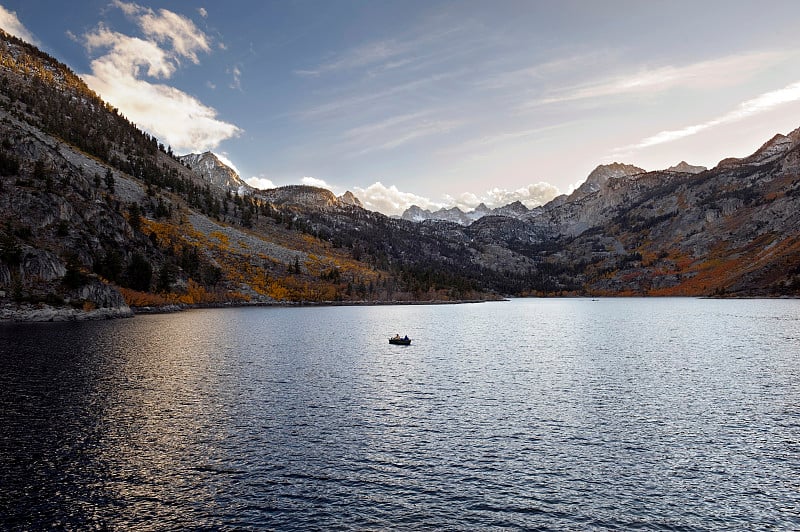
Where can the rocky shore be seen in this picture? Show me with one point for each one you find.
(45, 313)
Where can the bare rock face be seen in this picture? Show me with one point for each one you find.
(348, 198)
(215, 172)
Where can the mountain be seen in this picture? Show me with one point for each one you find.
(456, 215)
(309, 197)
(686, 168)
(96, 218)
(215, 172)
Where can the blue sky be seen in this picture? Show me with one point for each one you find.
(437, 103)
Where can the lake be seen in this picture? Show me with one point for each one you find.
(536, 414)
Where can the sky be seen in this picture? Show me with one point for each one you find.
(436, 103)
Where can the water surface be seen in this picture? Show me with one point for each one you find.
(554, 414)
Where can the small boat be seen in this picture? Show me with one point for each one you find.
(397, 340)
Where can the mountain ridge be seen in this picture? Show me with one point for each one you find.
(97, 217)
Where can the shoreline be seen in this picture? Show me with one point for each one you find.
(168, 309)
(42, 313)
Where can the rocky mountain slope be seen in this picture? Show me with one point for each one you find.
(96, 216)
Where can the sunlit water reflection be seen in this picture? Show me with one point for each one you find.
(551, 414)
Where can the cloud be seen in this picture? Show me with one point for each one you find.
(314, 182)
(387, 54)
(711, 74)
(407, 133)
(223, 157)
(261, 183)
(361, 56)
(165, 26)
(202, 11)
(236, 84)
(391, 201)
(177, 118)
(11, 24)
(365, 99)
(531, 195)
(759, 104)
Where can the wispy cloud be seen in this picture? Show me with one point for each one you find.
(119, 73)
(395, 131)
(362, 99)
(715, 73)
(364, 55)
(759, 104)
(12, 25)
(236, 73)
(384, 54)
(526, 75)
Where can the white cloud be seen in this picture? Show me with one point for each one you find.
(759, 104)
(315, 182)
(261, 183)
(223, 157)
(127, 54)
(166, 26)
(531, 195)
(390, 200)
(12, 25)
(203, 12)
(177, 118)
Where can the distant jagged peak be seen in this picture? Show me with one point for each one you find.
(348, 198)
(686, 168)
(457, 215)
(514, 209)
(600, 176)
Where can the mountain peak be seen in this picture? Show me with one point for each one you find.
(686, 168)
(348, 198)
(211, 168)
(604, 172)
(600, 175)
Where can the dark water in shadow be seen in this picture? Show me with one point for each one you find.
(672, 414)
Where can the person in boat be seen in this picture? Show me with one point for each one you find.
(405, 338)
(396, 336)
